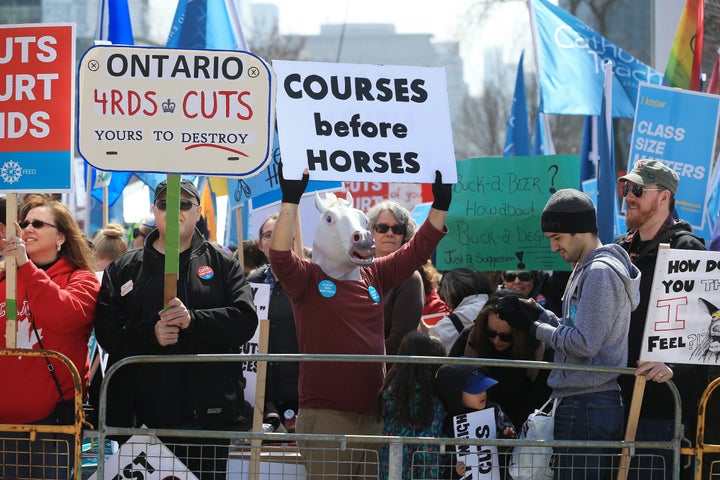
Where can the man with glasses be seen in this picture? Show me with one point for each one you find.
(212, 313)
(649, 192)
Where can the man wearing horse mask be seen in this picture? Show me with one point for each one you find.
(337, 300)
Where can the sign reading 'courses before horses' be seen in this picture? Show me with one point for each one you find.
(182, 111)
(365, 123)
(36, 107)
(683, 320)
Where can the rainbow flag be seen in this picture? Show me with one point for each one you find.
(685, 63)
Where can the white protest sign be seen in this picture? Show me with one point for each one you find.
(377, 123)
(683, 321)
(481, 462)
(261, 298)
(185, 111)
(145, 458)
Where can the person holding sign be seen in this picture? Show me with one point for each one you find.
(649, 191)
(213, 313)
(337, 300)
(602, 291)
(56, 299)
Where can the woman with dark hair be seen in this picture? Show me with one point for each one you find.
(409, 405)
(392, 227)
(465, 291)
(520, 390)
(57, 294)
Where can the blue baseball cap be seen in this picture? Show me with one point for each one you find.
(478, 382)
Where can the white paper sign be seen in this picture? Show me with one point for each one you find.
(481, 462)
(378, 123)
(261, 298)
(683, 321)
(145, 458)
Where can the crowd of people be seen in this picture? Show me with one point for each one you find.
(387, 299)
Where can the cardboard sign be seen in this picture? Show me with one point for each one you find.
(37, 107)
(683, 320)
(183, 111)
(494, 218)
(261, 298)
(678, 127)
(144, 457)
(365, 123)
(481, 462)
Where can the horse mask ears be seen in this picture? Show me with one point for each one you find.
(331, 200)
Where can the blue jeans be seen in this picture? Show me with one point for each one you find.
(593, 416)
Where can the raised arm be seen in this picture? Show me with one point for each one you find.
(292, 190)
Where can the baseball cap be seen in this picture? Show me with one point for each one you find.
(650, 172)
(185, 185)
(478, 382)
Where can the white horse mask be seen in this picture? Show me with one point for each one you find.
(342, 241)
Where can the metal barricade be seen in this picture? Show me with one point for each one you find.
(43, 451)
(707, 465)
(195, 453)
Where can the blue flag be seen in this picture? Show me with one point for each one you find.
(571, 56)
(589, 149)
(539, 145)
(114, 23)
(517, 131)
(607, 183)
(207, 25)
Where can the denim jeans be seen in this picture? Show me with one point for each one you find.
(593, 416)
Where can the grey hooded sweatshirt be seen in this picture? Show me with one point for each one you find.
(598, 299)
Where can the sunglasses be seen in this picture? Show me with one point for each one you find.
(637, 190)
(398, 229)
(522, 276)
(35, 224)
(505, 337)
(137, 233)
(185, 205)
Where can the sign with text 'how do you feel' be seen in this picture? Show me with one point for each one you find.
(365, 123)
(36, 107)
(181, 111)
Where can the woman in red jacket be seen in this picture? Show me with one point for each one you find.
(56, 297)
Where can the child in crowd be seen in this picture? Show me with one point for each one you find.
(463, 389)
(410, 407)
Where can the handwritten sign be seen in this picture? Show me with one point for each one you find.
(184, 111)
(37, 107)
(368, 123)
(678, 127)
(261, 298)
(683, 320)
(494, 218)
(481, 462)
(145, 458)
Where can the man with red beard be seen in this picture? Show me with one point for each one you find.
(649, 192)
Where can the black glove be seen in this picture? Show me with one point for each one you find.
(518, 314)
(442, 193)
(292, 190)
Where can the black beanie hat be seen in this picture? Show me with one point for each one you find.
(569, 211)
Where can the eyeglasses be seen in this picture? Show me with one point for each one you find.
(185, 205)
(505, 337)
(398, 229)
(35, 224)
(522, 276)
(266, 236)
(637, 190)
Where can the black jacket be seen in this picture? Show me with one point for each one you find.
(690, 379)
(212, 286)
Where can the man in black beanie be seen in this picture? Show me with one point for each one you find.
(602, 291)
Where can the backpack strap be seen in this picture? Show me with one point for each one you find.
(456, 322)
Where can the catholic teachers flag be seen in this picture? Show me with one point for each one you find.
(571, 57)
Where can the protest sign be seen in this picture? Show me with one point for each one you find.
(677, 127)
(144, 457)
(481, 462)
(145, 109)
(37, 107)
(683, 320)
(366, 123)
(261, 298)
(494, 218)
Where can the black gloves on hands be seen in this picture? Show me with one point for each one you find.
(442, 193)
(292, 190)
(520, 315)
